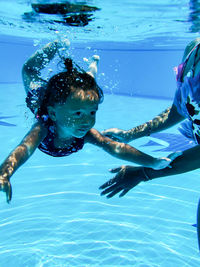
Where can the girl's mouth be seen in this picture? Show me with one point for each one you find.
(83, 130)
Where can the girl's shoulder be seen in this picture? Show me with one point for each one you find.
(91, 135)
(96, 138)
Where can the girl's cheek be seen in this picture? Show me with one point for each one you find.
(71, 121)
(68, 121)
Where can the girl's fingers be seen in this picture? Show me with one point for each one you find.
(6, 187)
(9, 193)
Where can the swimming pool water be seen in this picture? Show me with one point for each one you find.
(57, 216)
(165, 22)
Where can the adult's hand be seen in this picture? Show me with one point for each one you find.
(126, 178)
(117, 134)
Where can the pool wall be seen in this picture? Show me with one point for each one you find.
(124, 67)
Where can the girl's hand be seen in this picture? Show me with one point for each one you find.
(6, 187)
(163, 162)
(116, 134)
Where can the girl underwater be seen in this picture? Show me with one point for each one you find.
(65, 109)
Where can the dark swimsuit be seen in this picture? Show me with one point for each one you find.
(47, 145)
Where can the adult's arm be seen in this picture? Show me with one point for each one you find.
(163, 121)
(188, 161)
(128, 177)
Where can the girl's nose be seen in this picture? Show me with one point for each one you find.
(87, 121)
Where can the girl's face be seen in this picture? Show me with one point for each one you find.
(77, 115)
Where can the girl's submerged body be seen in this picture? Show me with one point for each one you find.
(65, 108)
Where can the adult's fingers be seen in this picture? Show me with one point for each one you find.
(109, 189)
(174, 155)
(114, 170)
(124, 192)
(113, 180)
(111, 135)
(108, 183)
(114, 192)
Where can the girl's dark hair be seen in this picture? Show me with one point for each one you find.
(59, 86)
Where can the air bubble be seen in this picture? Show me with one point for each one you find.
(36, 42)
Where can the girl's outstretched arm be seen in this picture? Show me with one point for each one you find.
(127, 152)
(32, 67)
(18, 156)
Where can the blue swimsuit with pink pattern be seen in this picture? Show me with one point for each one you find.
(187, 98)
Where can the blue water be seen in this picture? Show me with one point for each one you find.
(165, 22)
(58, 218)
